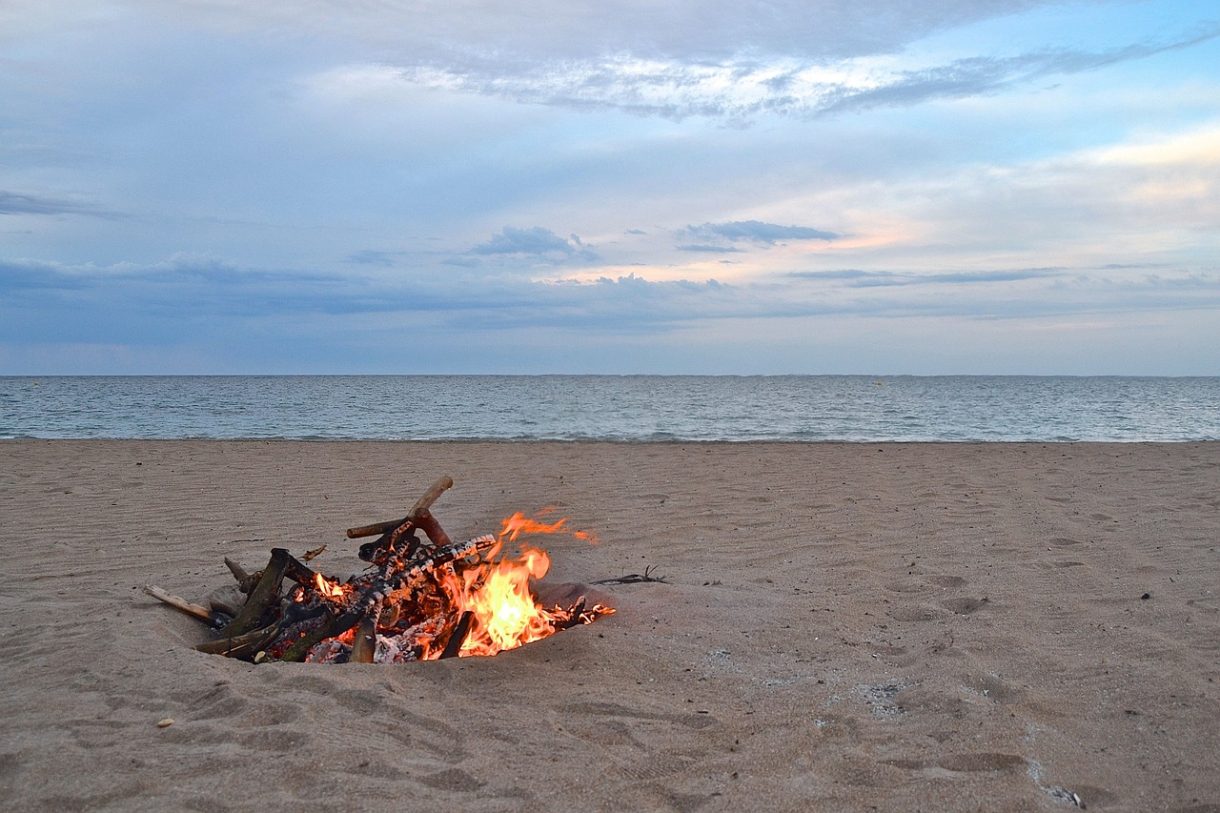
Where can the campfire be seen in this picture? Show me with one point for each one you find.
(419, 599)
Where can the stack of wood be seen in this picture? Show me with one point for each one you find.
(398, 610)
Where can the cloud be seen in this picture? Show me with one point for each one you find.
(744, 84)
(19, 203)
(878, 279)
(710, 249)
(197, 299)
(756, 231)
(536, 242)
(980, 75)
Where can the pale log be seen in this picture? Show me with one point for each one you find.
(202, 613)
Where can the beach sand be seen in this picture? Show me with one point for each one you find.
(845, 627)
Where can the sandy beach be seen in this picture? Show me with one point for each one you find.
(897, 627)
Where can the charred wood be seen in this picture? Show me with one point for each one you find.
(242, 646)
(262, 596)
(454, 645)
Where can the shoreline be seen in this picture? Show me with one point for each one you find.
(612, 441)
(945, 625)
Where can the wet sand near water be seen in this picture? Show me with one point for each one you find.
(844, 627)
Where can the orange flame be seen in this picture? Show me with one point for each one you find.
(519, 523)
(498, 593)
(329, 589)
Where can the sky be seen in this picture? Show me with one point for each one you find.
(619, 186)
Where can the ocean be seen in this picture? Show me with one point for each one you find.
(616, 408)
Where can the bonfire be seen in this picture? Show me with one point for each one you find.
(420, 598)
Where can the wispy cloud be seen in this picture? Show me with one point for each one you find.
(708, 248)
(973, 76)
(21, 203)
(756, 231)
(742, 87)
(878, 279)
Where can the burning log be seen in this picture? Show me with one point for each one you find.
(458, 637)
(419, 600)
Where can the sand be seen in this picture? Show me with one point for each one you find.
(844, 627)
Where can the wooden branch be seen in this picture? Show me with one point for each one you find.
(634, 578)
(454, 645)
(428, 524)
(421, 505)
(263, 594)
(245, 581)
(430, 496)
(202, 613)
(237, 570)
(300, 573)
(242, 646)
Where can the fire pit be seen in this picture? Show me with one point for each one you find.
(419, 599)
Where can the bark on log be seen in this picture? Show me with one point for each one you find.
(237, 570)
(263, 594)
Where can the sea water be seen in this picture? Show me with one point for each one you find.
(618, 408)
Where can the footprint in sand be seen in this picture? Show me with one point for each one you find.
(917, 613)
(964, 606)
(629, 736)
(962, 763)
(974, 763)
